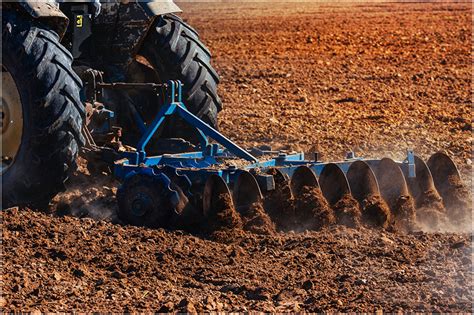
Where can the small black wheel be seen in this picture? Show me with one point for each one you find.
(146, 201)
(41, 113)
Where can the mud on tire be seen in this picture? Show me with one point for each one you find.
(52, 112)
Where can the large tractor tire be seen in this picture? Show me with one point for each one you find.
(174, 51)
(41, 113)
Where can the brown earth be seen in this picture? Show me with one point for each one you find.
(313, 210)
(375, 78)
(280, 204)
(375, 212)
(64, 264)
(431, 213)
(257, 221)
(223, 223)
(404, 214)
(347, 211)
(458, 206)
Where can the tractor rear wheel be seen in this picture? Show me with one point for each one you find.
(172, 50)
(41, 113)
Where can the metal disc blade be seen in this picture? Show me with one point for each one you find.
(422, 183)
(445, 174)
(362, 180)
(391, 181)
(278, 203)
(246, 191)
(333, 183)
(278, 175)
(281, 182)
(214, 191)
(303, 176)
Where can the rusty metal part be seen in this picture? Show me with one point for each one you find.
(303, 176)
(362, 181)
(333, 183)
(11, 120)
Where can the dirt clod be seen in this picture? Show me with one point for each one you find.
(312, 210)
(458, 202)
(187, 306)
(223, 215)
(347, 211)
(308, 285)
(375, 212)
(431, 213)
(223, 223)
(257, 221)
(280, 206)
(404, 214)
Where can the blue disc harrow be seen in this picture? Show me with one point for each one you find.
(156, 189)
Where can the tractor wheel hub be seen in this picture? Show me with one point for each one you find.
(11, 114)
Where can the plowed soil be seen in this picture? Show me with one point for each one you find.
(347, 211)
(257, 221)
(375, 212)
(404, 214)
(313, 210)
(375, 78)
(64, 264)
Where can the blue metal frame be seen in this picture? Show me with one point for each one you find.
(198, 166)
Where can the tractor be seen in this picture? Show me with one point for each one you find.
(130, 87)
(51, 51)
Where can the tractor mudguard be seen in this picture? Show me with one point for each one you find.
(122, 25)
(48, 12)
(159, 7)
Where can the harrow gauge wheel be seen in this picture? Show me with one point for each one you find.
(145, 200)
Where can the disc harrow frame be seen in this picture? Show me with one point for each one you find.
(200, 177)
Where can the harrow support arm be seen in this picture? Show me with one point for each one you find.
(176, 106)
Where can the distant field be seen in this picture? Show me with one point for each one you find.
(285, 67)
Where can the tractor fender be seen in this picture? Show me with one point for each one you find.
(159, 7)
(48, 12)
